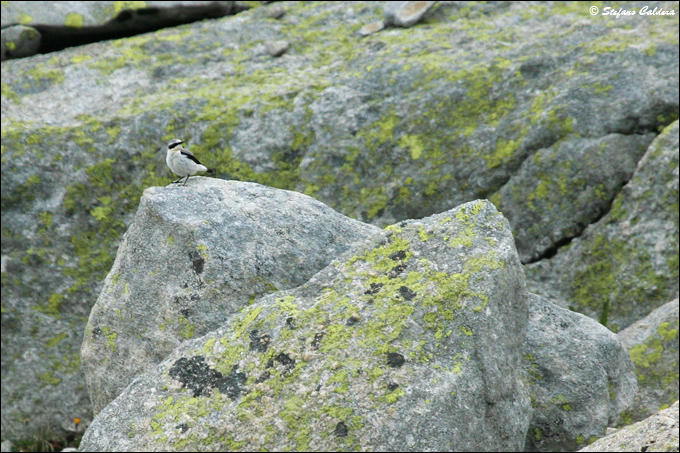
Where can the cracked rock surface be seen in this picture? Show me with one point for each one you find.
(382, 350)
(653, 346)
(194, 255)
(659, 432)
(627, 263)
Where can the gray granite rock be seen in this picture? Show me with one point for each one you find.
(580, 375)
(371, 28)
(410, 343)
(626, 264)
(276, 48)
(64, 24)
(79, 14)
(591, 171)
(404, 124)
(19, 41)
(195, 255)
(658, 432)
(275, 11)
(405, 14)
(653, 345)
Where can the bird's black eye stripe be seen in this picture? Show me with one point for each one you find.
(175, 144)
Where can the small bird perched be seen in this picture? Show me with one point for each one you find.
(182, 162)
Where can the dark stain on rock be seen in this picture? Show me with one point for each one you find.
(185, 312)
(395, 360)
(197, 264)
(259, 343)
(182, 427)
(285, 359)
(396, 270)
(398, 255)
(352, 320)
(195, 375)
(317, 340)
(341, 430)
(375, 287)
(407, 293)
(392, 386)
(290, 322)
(197, 261)
(233, 383)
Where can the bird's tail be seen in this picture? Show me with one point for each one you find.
(210, 170)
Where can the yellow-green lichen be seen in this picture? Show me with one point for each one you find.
(186, 328)
(597, 282)
(48, 378)
(52, 342)
(111, 337)
(53, 305)
(119, 6)
(74, 20)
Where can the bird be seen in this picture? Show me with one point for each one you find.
(182, 162)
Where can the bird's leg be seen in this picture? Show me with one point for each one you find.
(185, 181)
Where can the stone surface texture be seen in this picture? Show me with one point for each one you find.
(194, 255)
(626, 264)
(19, 41)
(79, 14)
(405, 14)
(658, 432)
(476, 101)
(382, 350)
(580, 374)
(653, 345)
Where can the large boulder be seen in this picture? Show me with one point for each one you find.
(626, 264)
(405, 14)
(92, 14)
(653, 345)
(411, 343)
(69, 24)
(402, 124)
(195, 255)
(19, 41)
(658, 432)
(564, 187)
(580, 375)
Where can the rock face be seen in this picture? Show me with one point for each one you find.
(19, 41)
(626, 263)
(653, 346)
(401, 124)
(79, 14)
(68, 24)
(659, 432)
(411, 343)
(580, 374)
(405, 14)
(538, 189)
(195, 255)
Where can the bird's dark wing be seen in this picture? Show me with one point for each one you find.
(187, 153)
